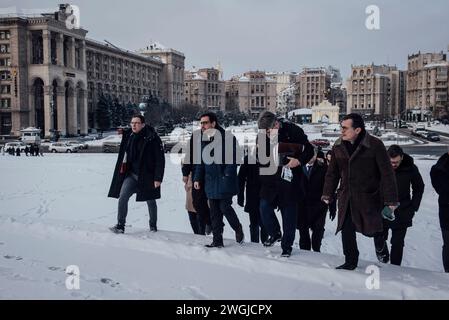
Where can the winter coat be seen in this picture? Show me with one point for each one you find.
(273, 188)
(220, 179)
(367, 183)
(249, 181)
(189, 199)
(407, 176)
(439, 175)
(310, 206)
(151, 169)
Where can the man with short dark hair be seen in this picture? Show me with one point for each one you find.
(439, 175)
(361, 165)
(139, 169)
(219, 177)
(281, 189)
(407, 177)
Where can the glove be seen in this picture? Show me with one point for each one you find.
(388, 214)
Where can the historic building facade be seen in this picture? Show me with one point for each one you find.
(427, 85)
(205, 89)
(252, 93)
(51, 76)
(376, 90)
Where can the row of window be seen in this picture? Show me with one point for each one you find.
(362, 106)
(5, 35)
(361, 73)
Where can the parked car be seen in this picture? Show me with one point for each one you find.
(15, 144)
(111, 146)
(323, 143)
(418, 131)
(62, 147)
(79, 144)
(403, 125)
(432, 136)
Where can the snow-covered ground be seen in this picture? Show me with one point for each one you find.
(55, 213)
(438, 128)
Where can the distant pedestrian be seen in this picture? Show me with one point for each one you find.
(18, 151)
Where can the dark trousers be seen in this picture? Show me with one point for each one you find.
(129, 187)
(272, 226)
(218, 209)
(200, 204)
(311, 218)
(256, 226)
(445, 233)
(197, 223)
(397, 243)
(349, 240)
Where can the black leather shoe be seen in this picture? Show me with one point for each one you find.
(347, 266)
(153, 228)
(286, 253)
(383, 255)
(215, 245)
(272, 240)
(117, 229)
(239, 236)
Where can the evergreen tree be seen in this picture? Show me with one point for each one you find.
(103, 113)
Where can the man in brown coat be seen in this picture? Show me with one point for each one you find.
(361, 165)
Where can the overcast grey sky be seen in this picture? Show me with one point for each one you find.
(281, 35)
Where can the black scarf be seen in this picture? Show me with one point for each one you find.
(351, 147)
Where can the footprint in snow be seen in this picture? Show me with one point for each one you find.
(12, 257)
(110, 282)
(55, 268)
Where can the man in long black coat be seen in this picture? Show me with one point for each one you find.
(280, 188)
(249, 185)
(407, 177)
(139, 169)
(439, 175)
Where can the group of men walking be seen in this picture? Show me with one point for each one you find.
(375, 189)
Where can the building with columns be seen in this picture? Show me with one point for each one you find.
(119, 74)
(172, 75)
(205, 89)
(45, 79)
(51, 77)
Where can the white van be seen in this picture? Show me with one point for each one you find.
(31, 135)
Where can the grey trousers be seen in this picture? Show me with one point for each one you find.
(129, 187)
